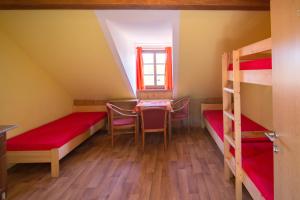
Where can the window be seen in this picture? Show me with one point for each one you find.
(154, 68)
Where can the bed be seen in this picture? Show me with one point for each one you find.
(51, 142)
(257, 151)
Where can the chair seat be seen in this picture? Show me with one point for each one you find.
(124, 121)
(179, 116)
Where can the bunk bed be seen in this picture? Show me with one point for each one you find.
(257, 154)
(248, 153)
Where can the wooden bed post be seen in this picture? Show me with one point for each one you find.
(54, 163)
(237, 126)
(232, 138)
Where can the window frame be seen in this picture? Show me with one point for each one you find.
(155, 86)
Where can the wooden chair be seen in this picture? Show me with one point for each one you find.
(181, 111)
(154, 119)
(121, 119)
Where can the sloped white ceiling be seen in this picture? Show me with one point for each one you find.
(71, 47)
(127, 29)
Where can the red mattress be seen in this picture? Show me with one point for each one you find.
(257, 161)
(56, 133)
(215, 119)
(257, 153)
(259, 64)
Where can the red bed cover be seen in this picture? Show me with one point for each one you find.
(259, 64)
(257, 153)
(215, 119)
(56, 133)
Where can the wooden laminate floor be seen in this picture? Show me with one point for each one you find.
(191, 168)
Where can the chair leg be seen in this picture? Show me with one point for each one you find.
(108, 126)
(136, 134)
(182, 125)
(143, 140)
(170, 130)
(189, 125)
(169, 126)
(112, 137)
(165, 139)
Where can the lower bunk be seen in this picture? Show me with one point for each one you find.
(53, 141)
(257, 151)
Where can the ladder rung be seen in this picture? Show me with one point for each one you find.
(229, 90)
(229, 115)
(230, 140)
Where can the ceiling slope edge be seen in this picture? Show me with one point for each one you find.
(108, 36)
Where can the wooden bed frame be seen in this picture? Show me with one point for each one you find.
(261, 77)
(231, 83)
(53, 156)
(250, 186)
(206, 125)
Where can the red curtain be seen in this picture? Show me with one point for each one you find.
(169, 72)
(139, 70)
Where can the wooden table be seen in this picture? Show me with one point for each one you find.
(166, 103)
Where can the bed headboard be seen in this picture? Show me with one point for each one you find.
(209, 107)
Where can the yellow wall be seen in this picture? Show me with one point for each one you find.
(257, 103)
(204, 36)
(69, 45)
(29, 96)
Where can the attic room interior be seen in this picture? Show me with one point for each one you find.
(150, 99)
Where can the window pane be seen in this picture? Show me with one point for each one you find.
(148, 69)
(160, 80)
(149, 79)
(148, 58)
(160, 58)
(160, 69)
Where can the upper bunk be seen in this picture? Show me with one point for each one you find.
(255, 63)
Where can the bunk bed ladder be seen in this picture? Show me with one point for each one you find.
(232, 138)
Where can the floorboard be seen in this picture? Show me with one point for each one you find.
(191, 168)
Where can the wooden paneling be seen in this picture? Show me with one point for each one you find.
(155, 94)
(285, 17)
(83, 102)
(100, 105)
(137, 4)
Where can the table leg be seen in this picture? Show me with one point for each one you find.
(170, 127)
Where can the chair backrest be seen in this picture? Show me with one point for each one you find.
(154, 118)
(113, 112)
(109, 113)
(182, 105)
